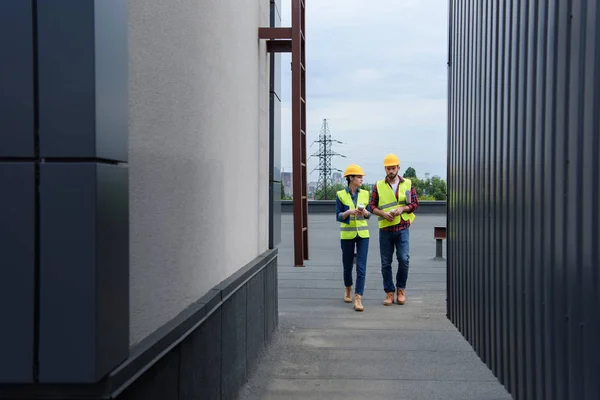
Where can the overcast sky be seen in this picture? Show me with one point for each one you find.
(376, 70)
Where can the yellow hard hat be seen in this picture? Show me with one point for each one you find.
(391, 160)
(353, 169)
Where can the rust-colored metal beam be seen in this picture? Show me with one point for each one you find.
(285, 40)
(279, 46)
(300, 194)
(274, 33)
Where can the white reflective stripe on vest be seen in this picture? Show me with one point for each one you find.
(357, 228)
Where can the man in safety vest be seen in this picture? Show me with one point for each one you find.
(352, 211)
(393, 200)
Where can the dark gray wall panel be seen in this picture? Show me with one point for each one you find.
(255, 311)
(84, 301)
(233, 367)
(523, 157)
(200, 369)
(16, 79)
(270, 300)
(83, 78)
(160, 382)
(17, 247)
(112, 265)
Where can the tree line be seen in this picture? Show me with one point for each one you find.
(427, 189)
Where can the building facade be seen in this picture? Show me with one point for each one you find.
(524, 191)
(140, 172)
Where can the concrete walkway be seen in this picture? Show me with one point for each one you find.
(323, 349)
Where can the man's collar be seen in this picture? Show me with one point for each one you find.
(399, 176)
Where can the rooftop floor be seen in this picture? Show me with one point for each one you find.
(323, 349)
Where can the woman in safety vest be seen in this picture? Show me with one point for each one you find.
(352, 211)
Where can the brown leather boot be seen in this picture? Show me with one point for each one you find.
(348, 294)
(389, 298)
(400, 297)
(357, 303)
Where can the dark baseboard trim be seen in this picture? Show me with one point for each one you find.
(153, 349)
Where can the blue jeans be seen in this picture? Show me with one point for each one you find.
(388, 241)
(362, 249)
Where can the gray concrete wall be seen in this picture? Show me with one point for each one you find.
(199, 150)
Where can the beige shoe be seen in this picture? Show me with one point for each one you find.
(348, 294)
(357, 303)
(400, 297)
(389, 298)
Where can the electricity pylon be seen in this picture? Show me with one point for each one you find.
(325, 154)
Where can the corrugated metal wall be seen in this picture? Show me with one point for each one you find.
(524, 179)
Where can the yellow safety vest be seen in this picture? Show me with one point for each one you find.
(358, 225)
(388, 201)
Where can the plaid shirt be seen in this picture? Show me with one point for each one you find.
(414, 203)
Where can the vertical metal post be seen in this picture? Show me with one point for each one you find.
(438, 249)
(299, 134)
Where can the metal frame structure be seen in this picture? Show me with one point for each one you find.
(286, 40)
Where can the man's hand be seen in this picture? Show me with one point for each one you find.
(388, 216)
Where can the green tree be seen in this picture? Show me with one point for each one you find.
(410, 173)
(366, 186)
(282, 192)
(427, 189)
(328, 193)
(439, 188)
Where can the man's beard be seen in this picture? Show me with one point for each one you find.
(392, 175)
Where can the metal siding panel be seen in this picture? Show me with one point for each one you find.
(462, 170)
(82, 53)
(111, 79)
(84, 275)
(112, 266)
(480, 171)
(531, 234)
(67, 272)
(573, 186)
(550, 223)
(480, 192)
(469, 182)
(17, 274)
(473, 175)
(487, 158)
(497, 195)
(539, 200)
(504, 236)
(510, 188)
(560, 197)
(451, 163)
(519, 201)
(591, 272)
(589, 197)
(465, 181)
(16, 79)
(66, 78)
(458, 263)
(547, 133)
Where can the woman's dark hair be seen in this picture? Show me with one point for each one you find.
(348, 179)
